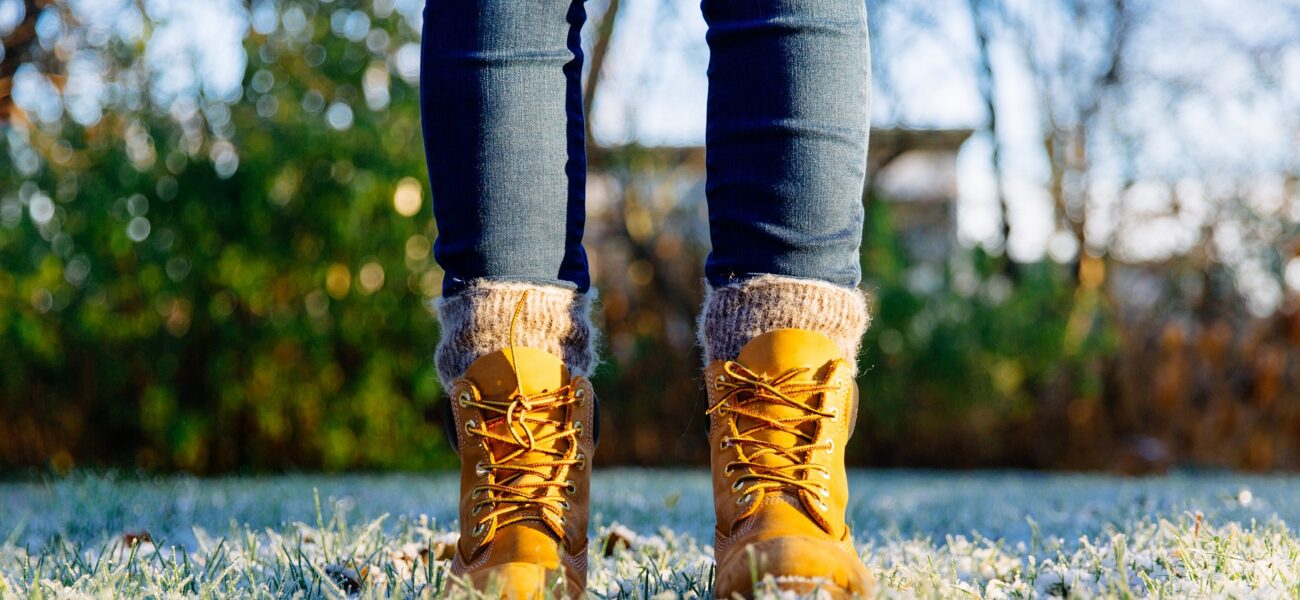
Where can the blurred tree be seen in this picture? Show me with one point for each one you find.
(211, 279)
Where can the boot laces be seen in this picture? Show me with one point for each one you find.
(744, 394)
(503, 489)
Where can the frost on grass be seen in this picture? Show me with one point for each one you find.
(1178, 558)
(328, 551)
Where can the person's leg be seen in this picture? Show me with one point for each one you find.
(787, 142)
(787, 138)
(501, 105)
(789, 83)
(501, 102)
(501, 99)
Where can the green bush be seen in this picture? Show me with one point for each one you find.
(178, 311)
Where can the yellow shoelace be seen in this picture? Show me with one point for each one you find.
(501, 492)
(743, 394)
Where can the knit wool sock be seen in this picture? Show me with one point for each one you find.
(476, 322)
(736, 313)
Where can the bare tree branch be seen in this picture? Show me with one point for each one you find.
(987, 84)
(604, 32)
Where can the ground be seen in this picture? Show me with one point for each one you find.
(989, 535)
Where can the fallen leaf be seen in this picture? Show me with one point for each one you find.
(617, 537)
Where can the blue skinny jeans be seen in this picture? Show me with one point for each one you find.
(786, 139)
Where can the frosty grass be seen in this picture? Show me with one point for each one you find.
(987, 535)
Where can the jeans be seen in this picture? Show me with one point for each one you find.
(786, 139)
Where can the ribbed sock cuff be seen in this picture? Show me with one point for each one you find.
(476, 322)
(737, 313)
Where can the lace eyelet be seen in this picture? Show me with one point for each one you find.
(582, 461)
(580, 395)
(824, 491)
(565, 505)
(743, 500)
(725, 445)
(826, 474)
(478, 508)
(830, 446)
(478, 530)
(835, 413)
(735, 487)
(563, 520)
(470, 425)
(822, 506)
(464, 398)
(480, 469)
(577, 426)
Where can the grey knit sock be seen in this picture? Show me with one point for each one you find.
(476, 322)
(737, 313)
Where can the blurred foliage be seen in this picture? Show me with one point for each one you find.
(219, 284)
(214, 280)
(961, 358)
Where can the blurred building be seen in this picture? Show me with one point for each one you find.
(915, 170)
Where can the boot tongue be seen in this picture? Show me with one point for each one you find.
(780, 350)
(772, 354)
(497, 376)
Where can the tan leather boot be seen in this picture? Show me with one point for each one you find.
(525, 436)
(779, 416)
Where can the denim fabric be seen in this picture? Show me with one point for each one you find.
(787, 139)
(501, 100)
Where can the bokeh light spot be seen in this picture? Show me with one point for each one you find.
(640, 272)
(41, 208)
(138, 229)
(417, 247)
(339, 116)
(224, 158)
(42, 300)
(1292, 275)
(338, 280)
(313, 101)
(408, 197)
(371, 277)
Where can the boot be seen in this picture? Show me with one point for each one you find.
(779, 417)
(524, 431)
